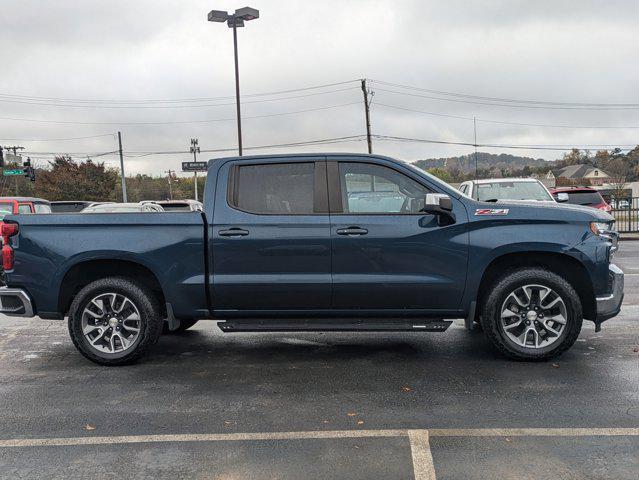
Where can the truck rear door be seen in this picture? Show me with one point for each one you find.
(270, 237)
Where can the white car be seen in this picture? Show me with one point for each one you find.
(123, 208)
(494, 189)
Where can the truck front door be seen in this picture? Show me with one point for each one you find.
(388, 254)
(270, 237)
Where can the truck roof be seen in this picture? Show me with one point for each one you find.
(495, 180)
(301, 155)
(26, 199)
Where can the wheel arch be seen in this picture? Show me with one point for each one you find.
(85, 272)
(561, 264)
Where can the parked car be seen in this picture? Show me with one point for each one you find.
(494, 189)
(284, 246)
(16, 205)
(123, 208)
(178, 205)
(620, 204)
(71, 206)
(586, 196)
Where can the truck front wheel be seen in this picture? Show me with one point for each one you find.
(113, 321)
(532, 314)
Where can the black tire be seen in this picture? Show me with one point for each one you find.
(510, 282)
(150, 323)
(184, 325)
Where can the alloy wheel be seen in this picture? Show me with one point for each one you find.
(533, 316)
(111, 323)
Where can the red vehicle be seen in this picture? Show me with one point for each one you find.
(586, 196)
(17, 205)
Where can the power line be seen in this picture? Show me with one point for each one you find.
(508, 105)
(501, 122)
(325, 141)
(496, 145)
(177, 100)
(178, 122)
(509, 100)
(56, 139)
(206, 105)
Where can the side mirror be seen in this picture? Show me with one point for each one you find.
(562, 197)
(441, 205)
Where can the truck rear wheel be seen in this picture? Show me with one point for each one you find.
(113, 321)
(532, 314)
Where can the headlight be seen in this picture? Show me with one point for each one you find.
(605, 230)
(600, 228)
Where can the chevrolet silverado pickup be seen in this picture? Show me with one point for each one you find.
(330, 242)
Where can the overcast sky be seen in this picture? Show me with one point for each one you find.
(134, 50)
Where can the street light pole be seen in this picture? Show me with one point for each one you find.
(234, 21)
(237, 93)
(195, 149)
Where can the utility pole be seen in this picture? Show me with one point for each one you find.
(124, 198)
(475, 131)
(169, 173)
(367, 105)
(195, 150)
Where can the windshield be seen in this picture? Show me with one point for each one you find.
(512, 191)
(176, 207)
(584, 198)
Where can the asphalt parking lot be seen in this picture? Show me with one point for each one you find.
(326, 406)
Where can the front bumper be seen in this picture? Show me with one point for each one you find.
(609, 305)
(15, 302)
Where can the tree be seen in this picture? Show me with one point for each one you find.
(69, 180)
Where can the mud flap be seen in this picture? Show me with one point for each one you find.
(173, 322)
(469, 321)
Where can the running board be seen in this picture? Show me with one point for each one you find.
(368, 325)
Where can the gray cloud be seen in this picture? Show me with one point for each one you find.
(547, 50)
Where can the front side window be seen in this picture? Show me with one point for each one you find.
(23, 208)
(274, 188)
(374, 189)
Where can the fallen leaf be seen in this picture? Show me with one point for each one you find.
(227, 423)
(360, 422)
(555, 365)
(89, 428)
(508, 439)
(636, 350)
(351, 414)
(406, 389)
(325, 421)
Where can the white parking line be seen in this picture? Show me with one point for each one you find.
(534, 432)
(423, 466)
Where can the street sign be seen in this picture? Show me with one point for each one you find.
(16, 171)
(195, 166)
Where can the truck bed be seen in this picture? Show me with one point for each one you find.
(50, 246)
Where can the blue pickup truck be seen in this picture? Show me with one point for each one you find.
(326, 242)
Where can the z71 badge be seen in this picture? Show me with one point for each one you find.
(491, 211)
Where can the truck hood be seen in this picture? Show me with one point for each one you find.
(548, 210)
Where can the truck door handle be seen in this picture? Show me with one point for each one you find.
(233, 232)
(352, 231)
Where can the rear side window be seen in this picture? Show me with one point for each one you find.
(273, 188)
